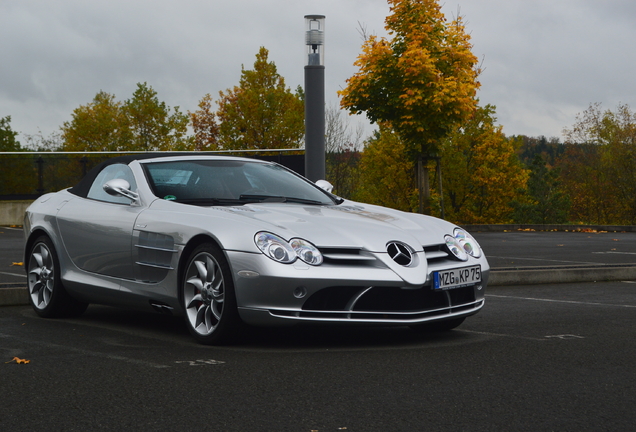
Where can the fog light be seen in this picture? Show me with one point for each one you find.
(300, 292)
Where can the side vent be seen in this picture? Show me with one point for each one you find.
(154, 256)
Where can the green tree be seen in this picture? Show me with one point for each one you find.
(386, 174)
(142, 123)
(483, 172)
(261, 112)
(152, 125)
(8, 141)
(544, 201)
(101, 125)
(16, 173)
(599, 168)
(423, 80)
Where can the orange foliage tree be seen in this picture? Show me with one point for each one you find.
(422, 81)
(484, 174)
(205, 126)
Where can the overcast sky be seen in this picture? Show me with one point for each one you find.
(544, 61)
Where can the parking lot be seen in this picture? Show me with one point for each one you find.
(559, 357)
(537, 357)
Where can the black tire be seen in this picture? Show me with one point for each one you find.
(208, 297)
(46, 292)
(438, 326)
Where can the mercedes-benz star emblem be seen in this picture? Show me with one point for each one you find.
(399, 253)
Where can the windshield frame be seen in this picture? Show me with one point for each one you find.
(280, 184)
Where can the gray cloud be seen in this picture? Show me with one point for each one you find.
(544, 61)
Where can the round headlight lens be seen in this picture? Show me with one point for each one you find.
(275, 247)
(306, 251)
(468, 243)
(455, 247)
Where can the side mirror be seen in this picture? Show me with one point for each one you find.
(325, 185)
(120, 187)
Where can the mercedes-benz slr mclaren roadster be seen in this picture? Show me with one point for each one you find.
(226, 241)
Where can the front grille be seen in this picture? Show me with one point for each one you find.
(347, 256)
(384, 303)
(436, 253)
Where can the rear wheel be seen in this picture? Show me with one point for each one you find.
(438, 326)
(46, 292)
(208, 296)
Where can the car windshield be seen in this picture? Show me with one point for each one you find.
(230, 182)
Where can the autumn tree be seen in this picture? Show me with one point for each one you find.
(205, 126)
(385, 177)
(599, 167)
(141, 123)
(483, 172)
(152, 125)
(543, 201)
(423, 80)
(101, 125)
(261, 112)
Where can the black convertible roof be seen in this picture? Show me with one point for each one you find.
(81, 189)
(294, 162)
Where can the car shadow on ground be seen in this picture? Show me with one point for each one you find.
(298, 337)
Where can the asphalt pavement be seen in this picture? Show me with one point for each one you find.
(516, 257)
(536, 358)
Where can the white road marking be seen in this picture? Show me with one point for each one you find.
(13, 274)
(561, 301)
(615, 252)
(66, 348)
(545, 260)
(500, 335)
(201, 362)
(565, 336)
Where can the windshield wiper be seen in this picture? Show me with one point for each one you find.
(277, 198)
(262, 198)
(209, 201)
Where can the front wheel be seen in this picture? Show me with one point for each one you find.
(46, 292)
(208, 296)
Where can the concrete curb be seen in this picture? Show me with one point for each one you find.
(16, 295)
(509, 277)
(13, 295)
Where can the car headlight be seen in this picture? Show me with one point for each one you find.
(455, 247)
(281, 251)
(461, 244)
(306, 251)
(275, 247)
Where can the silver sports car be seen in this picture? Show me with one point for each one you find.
(226, 241)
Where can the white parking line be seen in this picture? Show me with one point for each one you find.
(501, 335)
(561, 301)
(81, 351)
(544, 260)
(13, 274)
(614, 252)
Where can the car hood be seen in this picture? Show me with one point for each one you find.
(346, 225)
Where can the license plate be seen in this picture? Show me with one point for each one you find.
(457, 278)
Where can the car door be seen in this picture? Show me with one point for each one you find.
(97, 230)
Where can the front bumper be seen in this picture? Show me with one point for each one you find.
(269, 293)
